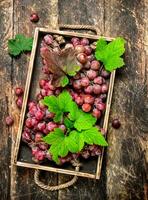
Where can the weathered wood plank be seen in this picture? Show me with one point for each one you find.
(5, 96)
(125, 156)
(25, 186)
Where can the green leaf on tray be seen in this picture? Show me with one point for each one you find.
(19, 44)
(80, 127)
(110, 53)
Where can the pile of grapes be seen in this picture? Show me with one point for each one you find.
(88, 89)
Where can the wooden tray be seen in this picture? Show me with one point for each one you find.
(91, 168)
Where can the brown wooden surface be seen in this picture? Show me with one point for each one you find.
(124, 167)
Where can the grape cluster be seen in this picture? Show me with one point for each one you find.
(89, 86)
(88, 89)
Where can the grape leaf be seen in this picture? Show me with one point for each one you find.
(84, 121)
(94, 136)
(64, 100)
(19, 44)
(61, 64)
(54, 137)
(64, 81)
(68, 123)
(77, 137)
(110, 53)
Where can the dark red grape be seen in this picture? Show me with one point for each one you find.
(88, 50)
(89, 89)
(96, 113)
(41, 126)
(77, 84)
(51, 126)
(90, 58)
(42, 83)
(40, 155)
(104, 88)
(85, 154)
(26, 137)
(82, 58)
(95, 65)
(116, 124)
(103, 97)
(79, 100)
(86, 107)
(34, 17)
(87, 65)
(105, 74)
(39, 115)
(84, 41)
(89, 99)
(9, 120)
(19, 102)
(101, 106)
(85, 82)
(79, 49)
(38, 137)
(98, 80)
(48, 39)
(19, 91)
(91, 74)
(96, 89)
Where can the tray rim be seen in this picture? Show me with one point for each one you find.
(25, 99)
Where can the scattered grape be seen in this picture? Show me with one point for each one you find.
(9, 120)
(19, 91)
(116, 124)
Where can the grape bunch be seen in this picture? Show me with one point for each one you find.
(88, 89)
(89, 86)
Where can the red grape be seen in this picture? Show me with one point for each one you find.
(105, 74)
(86, 107)
(116, 123)
(79, 49)
(95, 65)
(43, 92)
(82, 58)
(38, 137)
(87, 65)
(34, 17)
(85, 154)
(89, 99)
(49, 92)
(31, 104)
(91, 74)
(85, 82)
(40, 155)
(39, 96)
(32, 110)
(19, 91)
(75, 39)
(19, 102)
(77, 84)
(48, 39)
(34, 150)
(51, 126)
(88, 50)
(89, 89)
(90, 58)
(43, 146)
(98, 80)
(84, 41)
(77, 76)
(79, 100)
(26, 137)
(101, 106)
(96, 113)
(68, 45)
(41, 126)
(39, 115)
(49, 115)
(104, 88)
(42, 83)
(9, 120)
(103, 97)
(96, 89)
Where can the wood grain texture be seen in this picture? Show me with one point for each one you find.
(5, 96)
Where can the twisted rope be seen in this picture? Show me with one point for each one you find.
(76, 164)
(85, 27)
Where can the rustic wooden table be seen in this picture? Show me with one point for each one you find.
(124, 167)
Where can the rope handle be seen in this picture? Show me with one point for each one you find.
(85, 27)
(57, 187)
